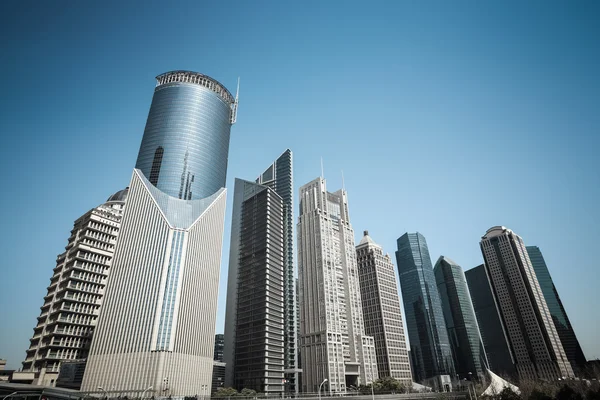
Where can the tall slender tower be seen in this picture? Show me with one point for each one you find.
(495, 342)
(429, 345)
(68, 316)
(156, 329)
(463, 331)
(381, 310)
(333, 344)
(523, 311)
(254, 319)
(279, 177)
(566, 333)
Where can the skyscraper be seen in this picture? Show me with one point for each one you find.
(463, 332)
(333, 344)
(156, 328)
(279, 177)
(494, 338)
(254, 319)
(381, 310)
(68, 316)
(557, 311)
(219, 346)
(532, 337)
(429, 344)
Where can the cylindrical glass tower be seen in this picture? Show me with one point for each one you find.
(185, 146)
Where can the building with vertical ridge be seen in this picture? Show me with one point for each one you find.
(333, 343)
(381, 310)
(156, 329)
(565, 330)
(461, 323)
(493, 336)
(429, 344)
(68, 317)
(254, 318)
(524, 313)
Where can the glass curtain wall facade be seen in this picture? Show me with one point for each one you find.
(492, 332)
(160, 307)
(463, 332)
(538, 352)
(559, 315)
(185, 147)
(430, 347)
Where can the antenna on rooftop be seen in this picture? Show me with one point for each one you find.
(343, 183)
(322, 173)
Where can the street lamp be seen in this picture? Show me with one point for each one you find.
(324, 380)
(12, 394)
(105, 392)
(144, 392)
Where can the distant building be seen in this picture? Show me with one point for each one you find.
(333, 344)
(71, 306)
(219, 344)
(463, 331)
(2, 365)
(559, 315)
(532, 336)
(218, 376)
(430, 347)
(381, 310)
(494, 338)
(254, 318)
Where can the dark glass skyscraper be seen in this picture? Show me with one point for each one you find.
(430, 348)
(492, 333)
(463, 332)
(185, 146)
(559, 315)
(278, 176)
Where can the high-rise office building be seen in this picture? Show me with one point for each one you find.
(68, 316)
(219, 346)
(463, 332)
(557, 311)
(156, 329)
(532, 337)
(494, 338)
(333, 344)
(381, 310)
(278, 178)
(254, 319)
(429, 344)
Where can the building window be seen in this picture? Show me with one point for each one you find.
(156, 163)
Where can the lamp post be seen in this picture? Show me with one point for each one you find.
(105, 392)
(144, 392)
(12, 394)
(324, 380)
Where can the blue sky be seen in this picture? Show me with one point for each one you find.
(446, 118)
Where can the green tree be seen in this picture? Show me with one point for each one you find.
(226, 392)
(248, 392)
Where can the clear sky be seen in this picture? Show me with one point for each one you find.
(446, 117)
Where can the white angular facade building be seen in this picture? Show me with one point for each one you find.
(535, 346)
(157, 327)
(333, 344)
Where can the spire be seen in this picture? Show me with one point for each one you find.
(343, 183)
(322, 173)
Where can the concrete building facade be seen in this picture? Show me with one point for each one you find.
(333, 344)
(156, 329)
(381, 310)
(532, 336)
(71, 306)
